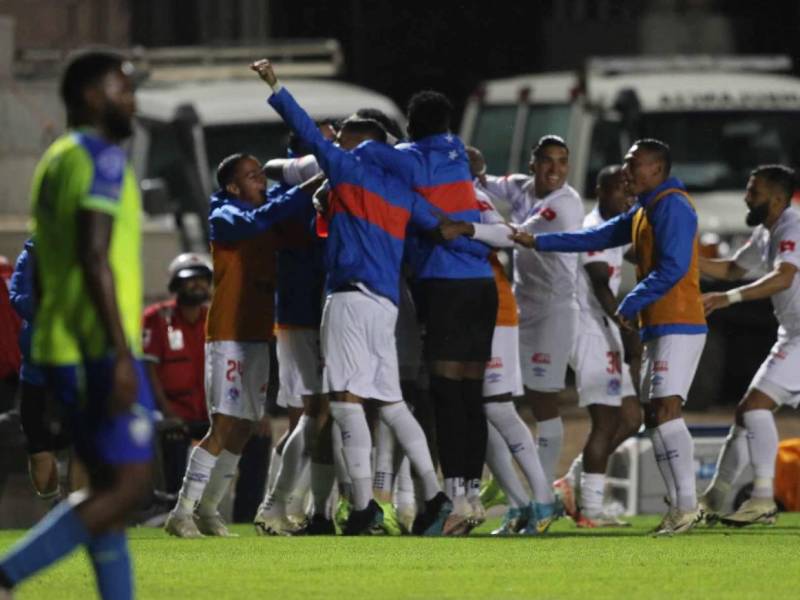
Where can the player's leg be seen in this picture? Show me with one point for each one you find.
(501, 465)
(733, 457)
(42, 461)
(119, 451)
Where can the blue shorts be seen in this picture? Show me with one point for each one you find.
(84, 392)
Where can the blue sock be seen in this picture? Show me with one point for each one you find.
(112, 565)
(55, 536)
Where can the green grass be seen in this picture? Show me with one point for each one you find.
(760, 562)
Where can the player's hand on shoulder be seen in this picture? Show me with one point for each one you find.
(126, 383)
(265, 70)
(713, 301)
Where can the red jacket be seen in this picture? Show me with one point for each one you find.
(178, 349)
(10, 324)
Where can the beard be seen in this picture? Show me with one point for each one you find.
(757, 215)
(118, 124)
(192, 297)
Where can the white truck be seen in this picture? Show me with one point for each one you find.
(722, 116)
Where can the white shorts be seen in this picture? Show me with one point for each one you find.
(545, 346)
(779, 375)
(669, 364)
(236, 378)
(600, 375)
(299, 365)
(358, 346)
(503, 374)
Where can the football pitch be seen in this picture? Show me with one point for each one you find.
(709, 562)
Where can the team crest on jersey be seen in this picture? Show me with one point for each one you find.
(661, 366)
(614, 387)
(496, 362)
(110, 163)
(233, 394)
(548, 214)
(540, 358)
(786, 246)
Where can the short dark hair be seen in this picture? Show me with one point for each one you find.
(389, 124)
(227, 168)
(548, 140)
(83, 69)
(780, 176)
(296, 145)
(428, 114)
(659, 149)
(607, 173)
(367, 127)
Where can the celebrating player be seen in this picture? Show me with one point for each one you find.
(663, 229)
(774, 245)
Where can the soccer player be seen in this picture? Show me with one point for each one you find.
(457, 288)
(87, 328)
(544, 284)
(238, 330)
(45, 435)
(662, 226)
(369, 212)
(174, 347)
(604, 383)
(774, 246)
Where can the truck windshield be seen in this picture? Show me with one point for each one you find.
(493, 132)
(717, 150)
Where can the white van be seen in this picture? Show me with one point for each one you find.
(722, 116)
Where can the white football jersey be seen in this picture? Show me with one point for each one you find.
(541, 279)
(613, 257)
(769, 248)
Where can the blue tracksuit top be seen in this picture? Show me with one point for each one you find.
(369, 212)
(437, 168)
(22, 294)
(674, 226)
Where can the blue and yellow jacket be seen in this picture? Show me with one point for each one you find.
(369, 211)
(243, 246)
(662, 226)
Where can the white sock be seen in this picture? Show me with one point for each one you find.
(762, 440)
(404, 492)
(411, 438)
(218, 484)
(298, 502)
(356, 449)
(592, 491)
(500, 463)
(550, 433)
(734, 456)
(198, 472)
(473, 489)
(384, 457)
(518, 437)
(342, 476)
(575, 472)
(680, 456)
(322, 478)
(663, 466)
(275, 460)
(454, 487)
(295, 459)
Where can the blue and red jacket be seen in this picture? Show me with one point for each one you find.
(369, 209)
(437, 168)
(300, 271)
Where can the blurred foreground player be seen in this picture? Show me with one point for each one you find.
(87, 329)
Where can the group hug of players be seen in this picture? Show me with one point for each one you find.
(401, 239)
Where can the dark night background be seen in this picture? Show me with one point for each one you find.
(398, 48)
